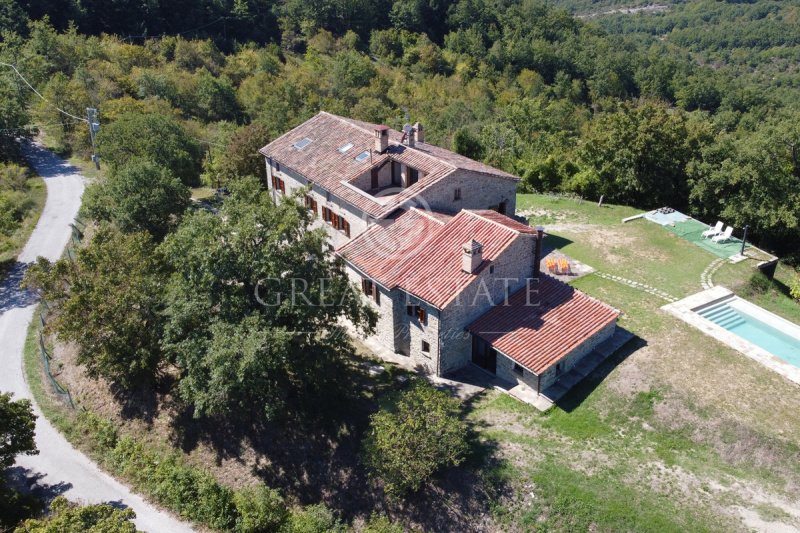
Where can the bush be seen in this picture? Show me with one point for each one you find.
(9, 215)
(759, 283)
(315, 519)
(68, 517)
(420, 434)
(381, 524)
(794, 286)
(188, 490)
(260, 509)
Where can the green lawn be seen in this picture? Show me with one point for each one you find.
(666, 435)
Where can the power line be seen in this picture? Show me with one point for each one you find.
(39, 94)
(130, 37)
(25, 128)
(209, 142)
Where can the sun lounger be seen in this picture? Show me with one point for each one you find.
(725, 236)
(713, 232)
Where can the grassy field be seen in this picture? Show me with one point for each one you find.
(677, 432)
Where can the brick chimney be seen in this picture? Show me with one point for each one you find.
(381, 138)
(420, 132)
(537, 251)
(472, 256)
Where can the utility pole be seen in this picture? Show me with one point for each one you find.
(94, 127)
(744, 238)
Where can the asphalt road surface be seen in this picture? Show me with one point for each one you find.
(58, 469)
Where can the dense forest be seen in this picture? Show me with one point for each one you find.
(695, 107)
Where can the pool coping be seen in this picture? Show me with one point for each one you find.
(684, 309)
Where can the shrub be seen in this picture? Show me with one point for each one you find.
(103, 433)
(260, 509)
(420, 434)
(9, 215)
(215, 504)
(191, 492)
(759, 283)
(381, 524)
(65, 516)
(794, 286)
(315, 519)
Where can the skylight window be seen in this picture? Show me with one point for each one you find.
(302, 143)
(362, 156)
(346, 148)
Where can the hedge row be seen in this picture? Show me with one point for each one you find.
(196, 495)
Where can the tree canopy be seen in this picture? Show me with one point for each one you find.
(17, 425)
(418, 435)
(109, 301)
(151, 136)
(252, 305)
(66, 516)
(139, 196)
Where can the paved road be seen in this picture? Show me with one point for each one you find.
(59, 468)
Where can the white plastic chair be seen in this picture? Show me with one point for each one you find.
(726, 236)
(716, 230)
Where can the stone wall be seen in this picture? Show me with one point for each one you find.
(550, 375)
(398, 332)
(505, 365)
(510, 269)
(478, 191)
(359, 221)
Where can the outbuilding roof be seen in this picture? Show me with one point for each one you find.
(543, 323)
(316, 150)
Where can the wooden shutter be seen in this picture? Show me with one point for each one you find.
(376, 293)
(422, 315)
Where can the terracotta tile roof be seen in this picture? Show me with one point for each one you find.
(381, 250)
(537, 337)
(322, 163)
(421, 253)
(503, 220)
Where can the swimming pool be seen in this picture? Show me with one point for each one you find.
(766, 330)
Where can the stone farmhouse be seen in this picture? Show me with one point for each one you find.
(429, 237)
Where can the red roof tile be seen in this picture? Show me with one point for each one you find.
(538, 336)
(421, 254)
(321, 162)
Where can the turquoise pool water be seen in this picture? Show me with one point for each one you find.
(756, 331)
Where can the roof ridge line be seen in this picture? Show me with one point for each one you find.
(395, 143)
(474, 213)
(427, 215)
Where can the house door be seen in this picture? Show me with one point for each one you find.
(374, 181)
(484, 355)
(402, 341)
(396, 178)
(502, 207)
